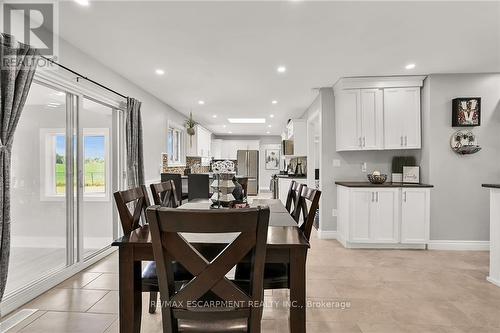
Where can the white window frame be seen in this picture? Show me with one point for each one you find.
(48, 164)
(181, 145)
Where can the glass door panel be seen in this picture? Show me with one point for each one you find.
(95, 170)
(39, 187)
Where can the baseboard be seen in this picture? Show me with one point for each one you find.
(494, 281)
(458, 245)
(327, 234)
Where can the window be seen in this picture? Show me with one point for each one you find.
(174, 146)
(95, 165)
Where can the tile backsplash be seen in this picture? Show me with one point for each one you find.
(193, 163)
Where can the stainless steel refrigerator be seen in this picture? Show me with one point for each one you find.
(248, 166)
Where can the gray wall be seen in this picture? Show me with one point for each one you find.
(459, 206)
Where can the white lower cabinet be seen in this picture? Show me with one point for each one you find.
(383, 216)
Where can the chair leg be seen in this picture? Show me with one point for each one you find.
(153, 298)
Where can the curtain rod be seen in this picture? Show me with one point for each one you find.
(84, 77)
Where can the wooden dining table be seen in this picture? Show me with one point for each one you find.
(285, 244)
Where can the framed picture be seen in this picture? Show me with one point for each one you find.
(466, 112)
(272, 159)
(411, 174)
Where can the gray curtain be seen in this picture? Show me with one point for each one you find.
(133, 133)
(16, 75)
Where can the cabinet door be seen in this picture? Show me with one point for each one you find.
(371, 119)
(394, 113)
(362, 214)
(415, 215)
(347, 120)
(385, 226)
(412, 127)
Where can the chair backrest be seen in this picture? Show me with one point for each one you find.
(165, 194)
(166, 224)
(307, 204)
(292, 198)
(177, 179)
(198, 186)
(140, 199)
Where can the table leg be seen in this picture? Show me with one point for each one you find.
(298, 290)
(130, 292)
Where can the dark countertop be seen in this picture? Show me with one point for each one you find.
(212, 176)
(386, 184)
(291, 176)
(491, 185)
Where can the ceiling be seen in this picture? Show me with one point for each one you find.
(227, 53)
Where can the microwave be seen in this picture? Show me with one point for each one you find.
(287, 147)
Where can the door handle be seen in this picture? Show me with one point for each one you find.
(404, 196)
(401, 140)
(364, 141)
(406, 140)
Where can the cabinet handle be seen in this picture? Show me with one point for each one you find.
(377, 196)
(373, 196)
(364, 141)
(406, 140)
(401, 140)
(404, 196)
(360, 142)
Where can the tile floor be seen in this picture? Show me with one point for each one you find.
(364, 291)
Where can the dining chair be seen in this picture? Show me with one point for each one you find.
(292, 198)
(177, 178)
(165, 194)
(138, 200)
(183, 307)
(276, 275)
(198, 186)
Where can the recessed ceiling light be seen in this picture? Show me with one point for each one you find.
(59, 93)
(268, 132)
(201, 102)
(275, 102)
(214, 116)
(269, 126)
(54, 103)
(271, 116)
(230, 132)
(247, 120)
(410, 66)
(82, 2)
(223, 126)
(160, 71)
(281, 69)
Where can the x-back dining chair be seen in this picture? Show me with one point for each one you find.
(165, 194)
(276, 276)
(182, 306)
(292, 198)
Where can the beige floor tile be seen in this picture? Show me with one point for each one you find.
(79, 280)
(107, 304)
(105, 281)
(114, 328)
(70, 322)
(24, 323)
(329, 327)
(67, 300)
(106, 265)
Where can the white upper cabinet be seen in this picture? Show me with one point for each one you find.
(296, 130)
(199, 145)
(378, 113)
(402, 118)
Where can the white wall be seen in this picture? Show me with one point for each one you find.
(459, 206)
(273, 142)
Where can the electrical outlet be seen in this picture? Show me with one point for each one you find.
(334, 212)
(363, 167)
(336, 163)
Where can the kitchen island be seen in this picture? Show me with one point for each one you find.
(494, 276)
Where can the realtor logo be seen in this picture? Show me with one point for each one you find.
(32, 23)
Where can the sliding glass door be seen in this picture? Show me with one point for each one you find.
(66, 163)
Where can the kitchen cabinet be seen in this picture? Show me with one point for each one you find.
(296, 131)
(415, 205)
(217, 148)
(374, 216)
(378, 113)
(199, 145)
(402, 118)
(359, 119)
(383, 216)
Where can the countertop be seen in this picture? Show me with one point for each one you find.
(491, 185)
(386, 184)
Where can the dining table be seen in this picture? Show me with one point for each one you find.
(285, 244)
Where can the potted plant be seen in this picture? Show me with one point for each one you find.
(190, 124)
